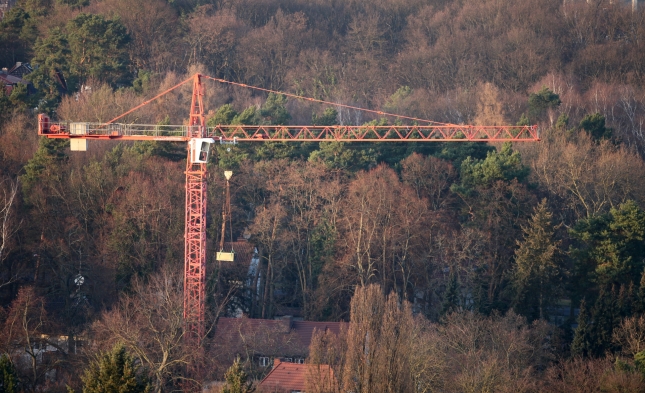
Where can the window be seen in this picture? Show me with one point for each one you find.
(299, 360)
(264, 361)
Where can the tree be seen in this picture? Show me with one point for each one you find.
(9, 225)
(98, 49)
(451, 296)
(542, 101)
(582, 344)
(328, 118)
(149, 323)
(18, 30)
(379, 337)
(8, 377)
(504, 165)
(610, 246)
(603, 317)
(237, 380)
(594, 125)
(51, 60)
(274, 110)
(537, 274)
(114, 371)
(23, 331)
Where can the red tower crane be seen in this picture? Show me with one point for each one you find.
(199, 138)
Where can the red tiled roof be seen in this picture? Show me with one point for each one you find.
(288, 377)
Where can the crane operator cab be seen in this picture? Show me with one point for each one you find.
(199, 149)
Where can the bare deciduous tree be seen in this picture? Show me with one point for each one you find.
(149, 322)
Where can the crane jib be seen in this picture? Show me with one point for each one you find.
(237, 133)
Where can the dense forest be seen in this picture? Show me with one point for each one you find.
(486, 267)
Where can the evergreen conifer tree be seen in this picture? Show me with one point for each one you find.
(537, 273)
(451, 296)
(582, 340)
(114, 372)
(237, 380)
(8, 378)
(639, 304)
(604, 320)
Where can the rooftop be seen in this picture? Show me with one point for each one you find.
(290, 377)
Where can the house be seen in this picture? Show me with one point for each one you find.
(296, 378)
(260, 342)
(14, 76)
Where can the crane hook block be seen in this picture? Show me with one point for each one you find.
(199, 150)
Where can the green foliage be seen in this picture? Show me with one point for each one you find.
(50, 153)
(639, 304)
(274, 150)
(231, 156)
(274, 110)
(396, 101)
(504, 165)
(457, 153)
(611, 246)
(98, 49)
(451, 296)
(5, 106)
(75, 3)
(37, 7)
(340, 155)
(328, 118)
(582, 340)
(541, 101)
(594, 125)
(537, 274)
(247, 117)
(114, 372)
(8, 377)
(237, 380)
(51, 55)
(524, 120)
(224, 116)
(639, 361)
(604, 317)
(143, 82)
(562, 122)
(18, 31)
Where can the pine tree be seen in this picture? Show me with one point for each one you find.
(114, 372)
(582, 342)
(237, 380)
(451, 296)
(537, 274)
(639, 304)
(8, 378)
(625, 303)
(604, 320)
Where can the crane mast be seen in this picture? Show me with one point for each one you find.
(199, 138)
(195, 225)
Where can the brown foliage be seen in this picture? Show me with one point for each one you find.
(590, 375)
(149, 323)
(587, 177)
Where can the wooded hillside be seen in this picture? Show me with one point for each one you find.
(521, 243)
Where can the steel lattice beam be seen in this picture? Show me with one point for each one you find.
(195, 227)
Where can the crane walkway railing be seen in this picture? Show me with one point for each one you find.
(231, 133)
